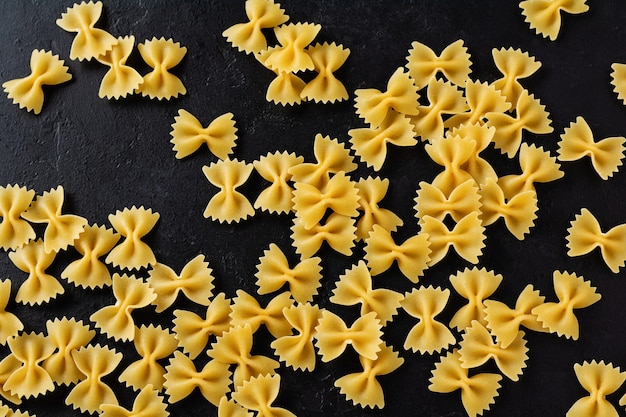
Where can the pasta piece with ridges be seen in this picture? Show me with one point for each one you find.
(475, 285)
(133, 224)
(30, 379)
(618, 80)
(121, 79)
(453, 62)
(544, 16)
(228, 204)
(161, 55)
(451, 152)
(246, 310)
(599, 380)
(15, 232)
(467, 238)
(229, 408)
(482, 135)
(297, 350)
(259, 393)
(188, 135)
(291, 56)
(513, 64)
(147, 403)
(8, 365)
(431, 201)
(333, 336)
(325, 87)
(10, 324)
(371, 192)
(338, 231)
(482, 99)
(286, 89)
(274, 167)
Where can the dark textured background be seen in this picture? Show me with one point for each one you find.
(114, 154)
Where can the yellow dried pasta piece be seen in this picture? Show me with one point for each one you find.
(355, 287)
(577, 142)
(618, 80)
(120, 80)
(46, 69)
(338, 231)
(599, 380)
(10, 324)
(362, 388)
(291, 56)
(573, 293)
(513, 64)
(585, 234)
(259, 393)
(246, 309)
(132, 223)
(325, 87)
(451, 152)
(462, 200)
(467, 238)
(131, 293)
(161, 55)
(273, 272)
(15, 232)
(8, 365)
(297, 350)
(482, 135)
(30, 379)
(333, 336)
(147, 403)
(228, 204)
(39, 287)
(228, 408)
(89, 42)
(428, 335)
(262, 14)
(482, 99)
(454, 63)
(544, 16)
(371, 192)
(188, 135)
(475, 285)
(274, 167)
(286, 88)
(88, 271)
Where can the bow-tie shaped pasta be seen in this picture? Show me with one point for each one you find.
(46, 69)
(38, 287)
(133, 224)
(15, 232)
(363, 388)
(89, 42)
(371, 192)
(228, 204)
(599, 380)
(355, 287)
(11, 324)
(61, 229)
(131, 293)
(606, 154)
(286, 88)
(195, 281)
(370, 143)
(530, 115)
(467, 237)
(193, 331)
(246, 309)
(325, 87)
(482, 135)
(544, 16)
(412, 256)
(181, 378)
(8, 365)
(428, 335)
(95, 362)
(273, 272)
(120, 80)
(188, 135)
(228, 408)
(338, 231)
(274, 168)
(248, 37)
(475, 285)
(573, 292)
(504, 322)
(291, 56)
(333, 336)
(453, 62)
(401, 95)
(88, 271)
(297, 350)
(259, 393)
(30, 379)
(451, 152)
(233, 347)
(482, 99)
(432, 201)
(147, 403)
(66, 336)
(585, 235)
(161, 55)
(618, 80)
(513, 64)
(478, 392)
(519, 211)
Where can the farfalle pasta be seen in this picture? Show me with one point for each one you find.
(297, 350)
(482, 99)
(467, 238)
(246, 309)
(133, 224)
(228, 204)
(286, 88)
(475, 285)
(8, 365)
(15, 232)
(599, 379)
(371, 191)
(161, 55)
(513, 64)
(482, 135)
(451, 152)
(188, 135)
(618, 80)
(274, 167)
(454, 63)
(30, 379)
(66, 336)
(333, 336)
(325, 87)
(120, 80)
(544, 16)
(259, 393)
(461, 201)
(10, 324)
(291, 56)
(229, 408)
(339, 232)
(148, 402)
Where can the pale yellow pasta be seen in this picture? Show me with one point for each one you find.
(120, 80)
(228, 204)
(233, 348)
(45, 69)
(195, 281)
(573, 293)
(67, 336)
(182, 377)
(188, 135)
(599, 380)
(325, 87)
(161, 55)
(618, 80)
(30, 379)
(371, 192)
(291, 56)
(339, 232)
(273, 272)
(478, 346)
(131, 293)
(370, 143)
(544, 16)
(89, 42)
(8, 365)
(519, 211)
(15, 232)
(362, 388)
(482, 99)
(461, 201)
(88, 271)
(262, 14)
(453, 62)
(513, 64)
(475, 285)
(10, 324)
(467, 238)
(333, 336)
(246, 309)
(585, 234)
(428, 335)
(228, 408)
(412, 255)
(193, 331)
(451, 152)
(478, 392)
(147, 403)
(286, 88)
(297, 350)
(61, 229)
(259, 393)
(355, 287)
(133, 224)
(39, 287)
(274, 167)
(482, 135)
(18, 413)
(606, 154)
